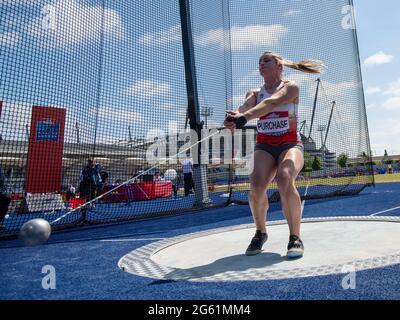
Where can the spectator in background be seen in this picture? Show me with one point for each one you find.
(5, 199)
(88, 181)
(187, 169)
(157, 177)
(172, 176)
(71, 192)
(98, 180)
(104, 177)
(175, 189)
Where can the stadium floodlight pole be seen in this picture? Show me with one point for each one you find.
(314, 107)
(27, 131)
(78, 140)
(329, 122)
(206, 112)
(322, 128)
(193, 108)
(130, 135)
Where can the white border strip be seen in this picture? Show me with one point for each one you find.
(127, 240)
(139, 262)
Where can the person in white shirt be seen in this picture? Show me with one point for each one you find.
(187, 169)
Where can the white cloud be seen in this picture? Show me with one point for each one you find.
(113, 23)
(160, 38)
(119, 115)
(393, 88)
(241, 37)
(166, 106)
(373, 90)
(392, 103)
(148, 88)
(393, 91)
(383, 130)
(244, 37)
(301, 78)
(292, 13)
(9, 39)
(336, 90)
(68, 22)
(382, 135)
(378, 58)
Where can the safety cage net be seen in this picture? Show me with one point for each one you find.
(114, 110)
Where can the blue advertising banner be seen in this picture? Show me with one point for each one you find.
(47, 131)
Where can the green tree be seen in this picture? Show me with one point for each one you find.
(308, 160)
(363, 158)
(342, 160)
(316, 164)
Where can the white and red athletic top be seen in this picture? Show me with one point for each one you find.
(279, 126)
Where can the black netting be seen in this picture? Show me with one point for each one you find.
(105, 81)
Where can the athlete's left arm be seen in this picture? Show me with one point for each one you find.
(288, 93)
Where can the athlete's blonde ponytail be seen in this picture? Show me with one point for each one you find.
(304, 65)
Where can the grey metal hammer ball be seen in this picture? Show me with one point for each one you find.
(34, 232)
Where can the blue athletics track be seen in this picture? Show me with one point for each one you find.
(136, 260)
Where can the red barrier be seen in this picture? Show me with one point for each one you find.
(74, 203)
(138, 191)
(151, 190)
(122, 194)
(45, 150)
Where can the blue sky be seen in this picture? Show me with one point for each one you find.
(142, 83)
(378, 24)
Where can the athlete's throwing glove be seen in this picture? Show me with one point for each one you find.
(239, 122)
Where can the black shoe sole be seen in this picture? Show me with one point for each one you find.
(253, 253)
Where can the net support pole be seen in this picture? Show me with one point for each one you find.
(193, 108)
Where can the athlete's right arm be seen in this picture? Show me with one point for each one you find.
(250, 102)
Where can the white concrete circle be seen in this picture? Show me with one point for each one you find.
(332, 245)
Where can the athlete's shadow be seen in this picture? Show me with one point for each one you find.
(232, 264)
